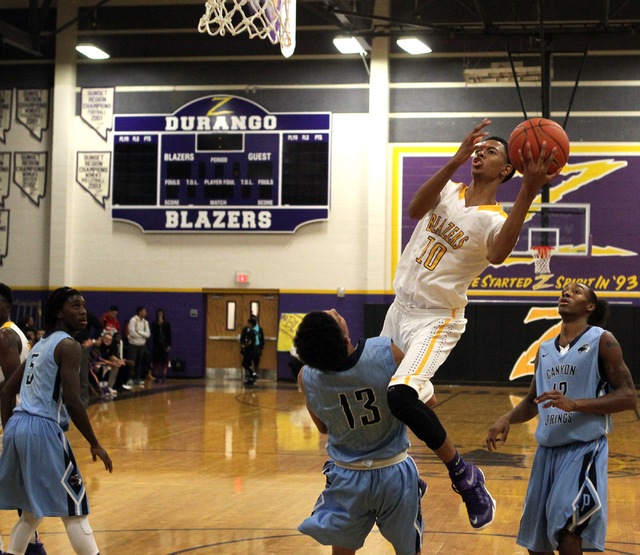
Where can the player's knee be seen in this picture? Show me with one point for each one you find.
(30, 520)
(398, 398)
(407, 407)
(80, 534)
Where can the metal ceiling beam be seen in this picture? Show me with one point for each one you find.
(19, 39)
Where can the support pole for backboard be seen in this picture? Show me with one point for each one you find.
(545, 96)
(575, 87)
(515, 77)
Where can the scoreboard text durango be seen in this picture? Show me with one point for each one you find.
(221, 164)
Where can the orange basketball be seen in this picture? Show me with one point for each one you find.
(535, 131)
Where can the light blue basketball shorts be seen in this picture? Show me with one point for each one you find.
(567, 489)
(354, 500)
(38, 472)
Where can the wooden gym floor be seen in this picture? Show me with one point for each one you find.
(209, 467)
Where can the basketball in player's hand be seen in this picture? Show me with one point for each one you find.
(535, 131)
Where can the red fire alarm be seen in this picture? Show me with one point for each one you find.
(242, 277)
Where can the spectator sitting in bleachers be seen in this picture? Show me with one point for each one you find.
(124, 372)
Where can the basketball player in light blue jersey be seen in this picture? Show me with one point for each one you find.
(14, 348)
(370, 477)
(580, 380)
(38, 472)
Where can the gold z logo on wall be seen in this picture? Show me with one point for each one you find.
(220, 100)
(524, 365)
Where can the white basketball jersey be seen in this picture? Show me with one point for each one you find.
(24, 351)
(447, 251)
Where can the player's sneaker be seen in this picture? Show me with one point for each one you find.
(422, 486)
(481, 507)
(35, 549)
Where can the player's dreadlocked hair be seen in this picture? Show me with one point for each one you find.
(320, 342)
(601, 313)
(54, 303)
(5, 293)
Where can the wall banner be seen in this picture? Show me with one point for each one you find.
(5, 175)
(4, 234)
(221, 164)
(588, 220)
(32, 110)
(96, 109)
(6, 102)
(93, 171)
(30, 174)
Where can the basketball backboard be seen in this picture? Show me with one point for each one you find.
(563, 226)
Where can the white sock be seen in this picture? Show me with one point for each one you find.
(80, 535)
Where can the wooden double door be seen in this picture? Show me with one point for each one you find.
(228, 312)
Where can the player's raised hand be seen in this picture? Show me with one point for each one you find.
(468, 144)
(535, 170)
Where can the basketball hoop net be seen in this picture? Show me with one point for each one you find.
(266, 19)
(542, 259)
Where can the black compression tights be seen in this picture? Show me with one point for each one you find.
(408, 408)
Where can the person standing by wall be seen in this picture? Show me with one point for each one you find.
(248, 349)
(161, 338)
(257, 352)
(138, 333)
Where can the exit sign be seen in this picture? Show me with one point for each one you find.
(242, 277)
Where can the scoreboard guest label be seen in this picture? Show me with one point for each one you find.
(221, 164)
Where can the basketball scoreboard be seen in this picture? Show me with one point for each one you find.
(221, 164)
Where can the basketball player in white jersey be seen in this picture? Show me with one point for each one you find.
(14, 348)
(461, 231)
(580, 380)
(38, 471)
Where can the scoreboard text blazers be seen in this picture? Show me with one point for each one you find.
(221, 164)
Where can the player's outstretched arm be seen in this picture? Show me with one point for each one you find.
(68, 355)
(535, 176)
(523, 412)
(427, 196)
(615, 371)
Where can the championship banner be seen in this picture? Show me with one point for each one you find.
(6, 102)
(5, 175)
(4, 234)
(32, 110)
(96, 109)
(30, 174)
(221, 164)
(586, 221)
(93, 170)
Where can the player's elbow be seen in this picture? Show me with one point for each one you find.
(416, 212)
(495, 257)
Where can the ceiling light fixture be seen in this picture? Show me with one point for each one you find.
(413, 45)
(350, 45)
(91, 51)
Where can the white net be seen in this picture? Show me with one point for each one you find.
(265, 19)
(542, 259)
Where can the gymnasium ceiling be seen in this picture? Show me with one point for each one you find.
(167, 29)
